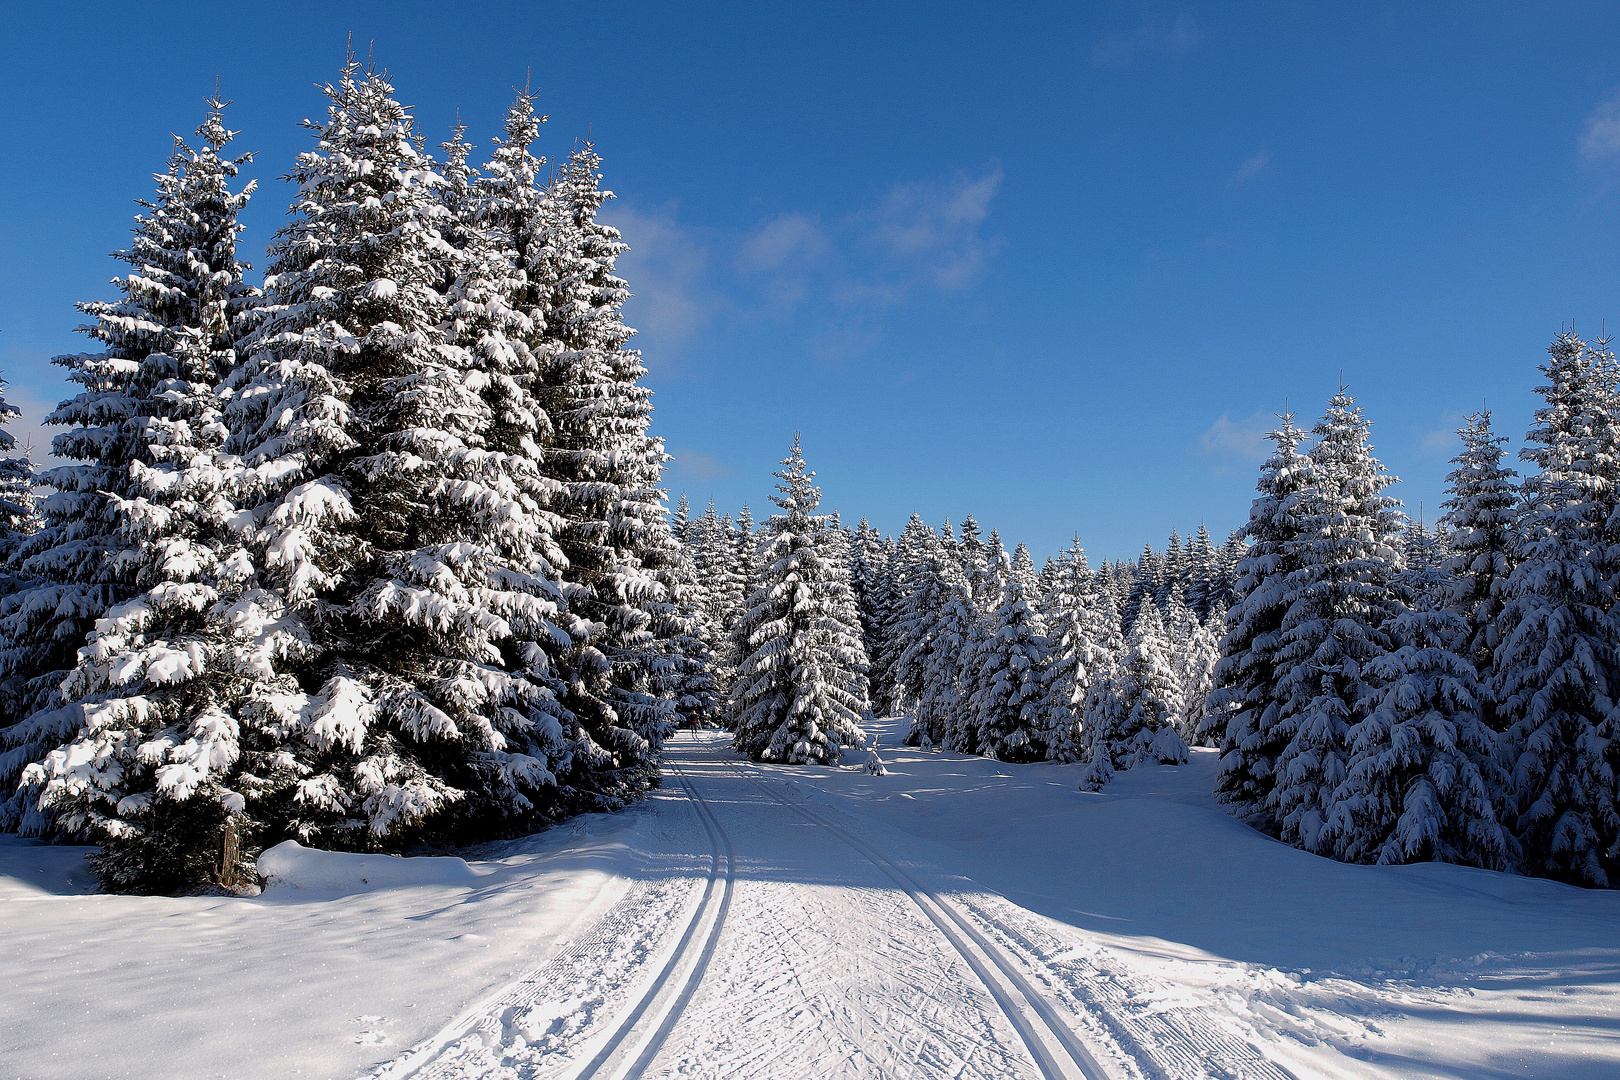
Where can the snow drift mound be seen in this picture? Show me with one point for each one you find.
(292, 864)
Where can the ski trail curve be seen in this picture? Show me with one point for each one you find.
(1058, 1052)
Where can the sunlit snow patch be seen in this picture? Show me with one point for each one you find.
(292, 864)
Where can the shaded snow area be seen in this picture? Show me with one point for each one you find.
(955, 918)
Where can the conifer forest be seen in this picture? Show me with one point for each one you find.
(372, 555)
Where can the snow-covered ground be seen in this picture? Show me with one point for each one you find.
(957, 917)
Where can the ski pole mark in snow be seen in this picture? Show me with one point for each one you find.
(1017, 998)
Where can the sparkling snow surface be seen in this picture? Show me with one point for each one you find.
(943, 920)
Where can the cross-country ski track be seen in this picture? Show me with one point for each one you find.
(813, 953)
(958, 917)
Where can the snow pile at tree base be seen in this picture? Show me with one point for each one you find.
(292, 864)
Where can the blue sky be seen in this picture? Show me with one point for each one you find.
(1054, 265)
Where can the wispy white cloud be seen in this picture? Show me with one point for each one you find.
(1252, 168)
(784, 240)
(1228, 443)
(1171, 36)
(694, 464)
(1600, 133)
(668, 270)
(781, 256)
(29, 429)
(1442, 440)
(919, 236)
(935, 226)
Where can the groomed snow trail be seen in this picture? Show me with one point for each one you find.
(1046, 1036)
(776, 937)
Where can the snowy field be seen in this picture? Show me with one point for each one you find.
(957, 917)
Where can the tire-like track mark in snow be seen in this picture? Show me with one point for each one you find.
(1019, 1000)
(536, 1024)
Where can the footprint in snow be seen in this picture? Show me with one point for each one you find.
(372, 1036)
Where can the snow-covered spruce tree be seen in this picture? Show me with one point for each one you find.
(1340, 597)
(1197, 650)
(1083, 633)
(1023, 570)
(921, 582)
(837, 542)
(1482, 514)
(1200, 572)
(1009, 689)
(137, 550)
(1131, 716)
(870, 577)
(19, 519)
(1557, 660)
(713, 586)
(696, 686)
(1423, 767)
(711, 544)
(974, 559)
(680, 520)
(395, 561)
(613, 527)
(941, 715)
(1143, 586)
(1170, 570)
(962, 730)
(1423, 583)
(1000, 566)
(1242, 714)
(567, 396)
(745, 556)
(791, 701)
(19, 507)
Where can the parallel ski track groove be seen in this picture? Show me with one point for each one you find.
(933, 907)
(717, 840)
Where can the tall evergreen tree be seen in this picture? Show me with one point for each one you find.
(1197, 650)
(1339, 598)
(1131, 717)
(393, 687)
(1083, 632)
(1170, 569)
(972, 555)
(680, 519)
(1482, 513)
(1023, 570)
(137, 544)
(792, 699)
(921, 584)
(1242, 717)
(1557, 659)
(1009, 689)
(19, 508)
(930, 579)
(613, 527)
(697, 689)
(1422, 774)
(999, 565)
(1201, 573)
(872, 577)
(942, 716)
